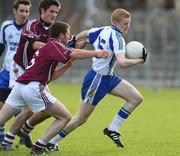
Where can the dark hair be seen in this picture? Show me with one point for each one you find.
(58, 27)
(45, 4)
(18, 2)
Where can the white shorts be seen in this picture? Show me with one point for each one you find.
(33, 94)
(15, 72)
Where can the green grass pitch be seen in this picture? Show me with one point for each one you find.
(152, 130)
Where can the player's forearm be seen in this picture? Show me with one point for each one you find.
(129, 62)
(37, 45)
(80, 44)
(81, 54)
(82, 35)
(60, 71)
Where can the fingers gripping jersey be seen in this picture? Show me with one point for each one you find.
(110, 39)
(9, 36)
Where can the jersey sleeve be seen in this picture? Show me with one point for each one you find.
(118, 44)
(2, 33)
(93, 34)
(60, 53)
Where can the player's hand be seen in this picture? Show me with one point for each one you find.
(72, 42)
(102, 54)
(144, 57)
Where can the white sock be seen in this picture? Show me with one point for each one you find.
(116, 123)
(62, 134)
(55, 139)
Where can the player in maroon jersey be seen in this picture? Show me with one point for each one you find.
(30, 88)
(34, 36)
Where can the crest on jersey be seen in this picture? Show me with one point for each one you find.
(10, 36)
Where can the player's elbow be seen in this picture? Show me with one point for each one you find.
(121, 64)
(138, 99)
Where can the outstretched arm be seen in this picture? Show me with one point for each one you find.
(81, 39)
(78, 41)
(82, 54)
(82, 35)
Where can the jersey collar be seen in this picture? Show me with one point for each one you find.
(19, 27)
(115, 28)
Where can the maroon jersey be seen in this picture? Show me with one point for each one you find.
(34, 30)
(44, 62)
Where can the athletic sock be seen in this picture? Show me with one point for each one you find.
(41, 143)
(2, 133)
(118, 119)
(27, 128)
(62, 134)
(9, 138)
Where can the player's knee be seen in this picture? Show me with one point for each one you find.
(138, 99)
(82, 119)
(67, 117)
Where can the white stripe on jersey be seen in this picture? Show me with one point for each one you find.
(109, 39)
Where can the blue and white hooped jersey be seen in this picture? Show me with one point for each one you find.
(9, 36)
(110, 39)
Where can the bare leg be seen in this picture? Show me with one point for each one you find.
(81, 117)
(129, 93)
(6, 113)
(132, 99)
(62, 115)
(37, 118)
(83, 113)
(20, 120)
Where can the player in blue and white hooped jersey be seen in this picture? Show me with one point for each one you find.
(9, 40)
(100, 80)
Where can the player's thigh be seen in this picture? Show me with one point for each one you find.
(25, 114)
(57, 110)
(125, 90)
(15, 98)
(6, 113)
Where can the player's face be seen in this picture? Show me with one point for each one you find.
(22, 14)
(65, 37)
(50, 14)
(124, 25)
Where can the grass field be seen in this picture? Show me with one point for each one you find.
(152, 130)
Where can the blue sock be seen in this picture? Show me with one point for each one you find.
(123, 113)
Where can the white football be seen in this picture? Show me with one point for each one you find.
(134, 50)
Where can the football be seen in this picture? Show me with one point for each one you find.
(134, 50)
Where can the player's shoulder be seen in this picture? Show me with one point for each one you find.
(55, 43)
(7, 23)
(98, 28)
(31, 24)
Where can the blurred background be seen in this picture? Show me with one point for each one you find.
(155, 23)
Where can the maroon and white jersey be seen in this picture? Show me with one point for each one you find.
(44, 62)
(34, 30)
